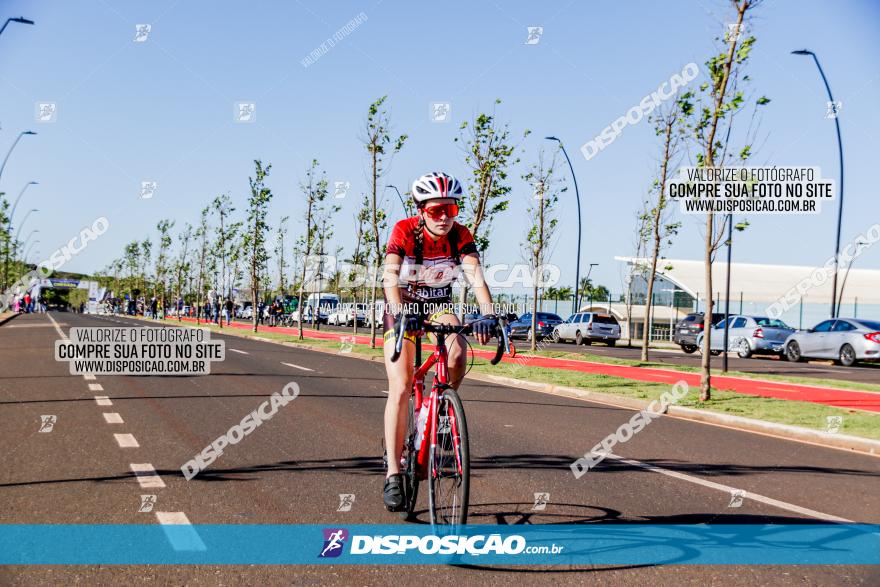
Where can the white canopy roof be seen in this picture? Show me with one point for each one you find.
(766, 283)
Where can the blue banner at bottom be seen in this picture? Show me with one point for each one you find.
(593, 544)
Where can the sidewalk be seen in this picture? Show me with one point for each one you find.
(839, 398)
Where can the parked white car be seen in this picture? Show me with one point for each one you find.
(846, 340)
(346, 314)
(749, 335)
(589, 327)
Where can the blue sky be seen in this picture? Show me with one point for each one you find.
(162, 110)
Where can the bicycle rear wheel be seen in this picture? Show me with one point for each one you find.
(449, 464)
(410, 465)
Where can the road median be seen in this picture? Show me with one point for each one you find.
(819, 424)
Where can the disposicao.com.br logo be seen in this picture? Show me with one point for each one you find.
(473, 545)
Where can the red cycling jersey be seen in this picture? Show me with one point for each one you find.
(440, 258)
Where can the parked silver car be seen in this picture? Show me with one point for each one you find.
(749, 335)
(846, 340)
(588, 327)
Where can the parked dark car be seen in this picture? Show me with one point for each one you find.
(522, 327)
(687, 329)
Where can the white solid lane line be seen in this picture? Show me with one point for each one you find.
(239, 352)
(103, 400)
(180, 532)
(95, 387)
(297, 367)
(126, 440)
(57, 328)
(727, 489)
(113, 418)
(146, 475)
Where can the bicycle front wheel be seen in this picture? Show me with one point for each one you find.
(449, 462)
(410, 464)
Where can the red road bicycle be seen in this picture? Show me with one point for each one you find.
(435, 448)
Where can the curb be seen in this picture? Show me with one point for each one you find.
(8, 318)
(786, 431)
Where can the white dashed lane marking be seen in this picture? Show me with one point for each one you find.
(239, 352)
(113, 418)
(179, 531)
(95, 387)
(297, 367)
(88, 377)
(146, 475)
(103, 400)
(727, 489)
(126, 440)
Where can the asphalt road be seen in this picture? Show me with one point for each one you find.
(293, 468)
(761, 364)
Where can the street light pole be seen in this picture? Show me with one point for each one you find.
(859, 246)
(28, 251)
(399, 197)
(14, 143)
(726, 293)
(834, 308)
(18, 232)
(9, 231)
(18, 19)
(577, 269)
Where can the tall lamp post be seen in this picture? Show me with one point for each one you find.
(726, 294)
(399, 197)
(859, 246)
(18, 232)
(577, 269)
(589, 270)
(28, 250)
(834, 308)
(14, 143)
(9, 229)
(19, 19)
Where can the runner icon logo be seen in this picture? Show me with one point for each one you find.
(334, 540)
(346, 501)
(833, 424)
(47, 423)
(147, 503)
(736, 498)
(541, 500)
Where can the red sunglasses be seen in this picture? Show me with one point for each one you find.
(437, 212)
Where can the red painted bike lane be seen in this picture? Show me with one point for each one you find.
(839, 398)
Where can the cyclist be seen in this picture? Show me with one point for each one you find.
(424, 254)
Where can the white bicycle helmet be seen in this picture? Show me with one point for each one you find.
(434, 185)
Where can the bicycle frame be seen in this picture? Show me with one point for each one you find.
(440, 358)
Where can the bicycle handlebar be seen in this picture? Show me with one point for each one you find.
(500, 331)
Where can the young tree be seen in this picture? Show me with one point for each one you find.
(542, 177)
(670, 123)
(637, 268)
(717, 111)
(488, 153)
(314, 188)
(5, 239)
(381, 148)
(225, 235)
(133, 263)
(182, 265)
(201, 236)
(146, 252)
(358, 258)
(257, 229)
(164, 227)
(280, 233)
